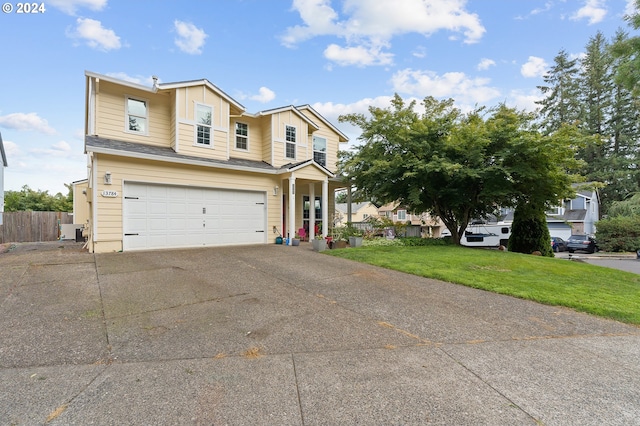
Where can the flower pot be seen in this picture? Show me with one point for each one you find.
(355, 241)
(339, 244)
(319, 244)
(295, 242)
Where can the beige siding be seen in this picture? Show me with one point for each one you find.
(110, 227)
(80, 204)
(188, 98)
(255, 151)
(112, 120)
(331, 137)
(279, 123)
(267, 140)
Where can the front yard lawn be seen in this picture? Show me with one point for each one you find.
(587, 288)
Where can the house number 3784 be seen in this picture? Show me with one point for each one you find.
(110, 194)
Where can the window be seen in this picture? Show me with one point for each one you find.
(203, 123)
(402, 215)
(136, 116)
(242, 136)
(320, 150)
(290, 149)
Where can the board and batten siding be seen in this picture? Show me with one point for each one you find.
(333, 141)
(279, 122)
(112, 117)
(110, 214)
(187, 99)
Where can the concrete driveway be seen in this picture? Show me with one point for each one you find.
(273, 335)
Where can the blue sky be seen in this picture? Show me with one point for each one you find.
(338, 56)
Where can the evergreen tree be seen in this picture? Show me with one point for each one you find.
(561, 104)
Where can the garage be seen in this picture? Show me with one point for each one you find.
(168, 216)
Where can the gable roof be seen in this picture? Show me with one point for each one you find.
(343, 138)
(354, 206)
(168, 86)
(2, 153)
(292, 109)
(292, 167)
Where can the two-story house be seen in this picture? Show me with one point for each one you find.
(421, 224)
(575, 216)
(184, 165)
(360, 212)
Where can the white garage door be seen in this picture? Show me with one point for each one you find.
(165, 216)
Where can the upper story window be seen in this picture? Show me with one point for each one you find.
(290, 148)
(402, 215)
(137, 116)
(242, 136)
(320, 150)
(203, 123)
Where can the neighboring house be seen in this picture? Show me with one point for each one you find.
(573, 217)
(184, 165)
(360, 212)
(423, 224)
(3, 164)
(80, 206)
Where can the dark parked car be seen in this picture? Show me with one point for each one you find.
(558, 244)
(583, 243)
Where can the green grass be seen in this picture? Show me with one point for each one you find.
(587, 288)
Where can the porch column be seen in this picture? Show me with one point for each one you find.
(325, 206)
(312, 211)
(292, 208)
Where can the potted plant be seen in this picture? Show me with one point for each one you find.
(295, 241)
(355, 235)
(340, 239)
(319, 243)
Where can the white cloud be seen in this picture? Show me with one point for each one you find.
(30, 121)
(485, 64)
(454, 85)
(370, 25)
(358, 55)
(593, 10)
(71, 6)
(264, 95)
(534, 67)
(139, 79)
(60, 149)
(11, 149)
(630, 8)
(190, 38)
(95, 35)
(524, 100)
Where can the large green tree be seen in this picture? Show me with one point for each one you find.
(456, 166)
(628, 72)
(28, 199)
(561, 104)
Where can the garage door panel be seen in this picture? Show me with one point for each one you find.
(165, 216)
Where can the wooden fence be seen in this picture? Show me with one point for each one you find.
(22, 227)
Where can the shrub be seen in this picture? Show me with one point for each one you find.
(529, 232)
(621, 233)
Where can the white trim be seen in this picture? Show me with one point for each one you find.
(94, 201)
(126, 114)
(91, 113)
(235, 136)
(196, 104)
(286, 142)
(177, 129)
